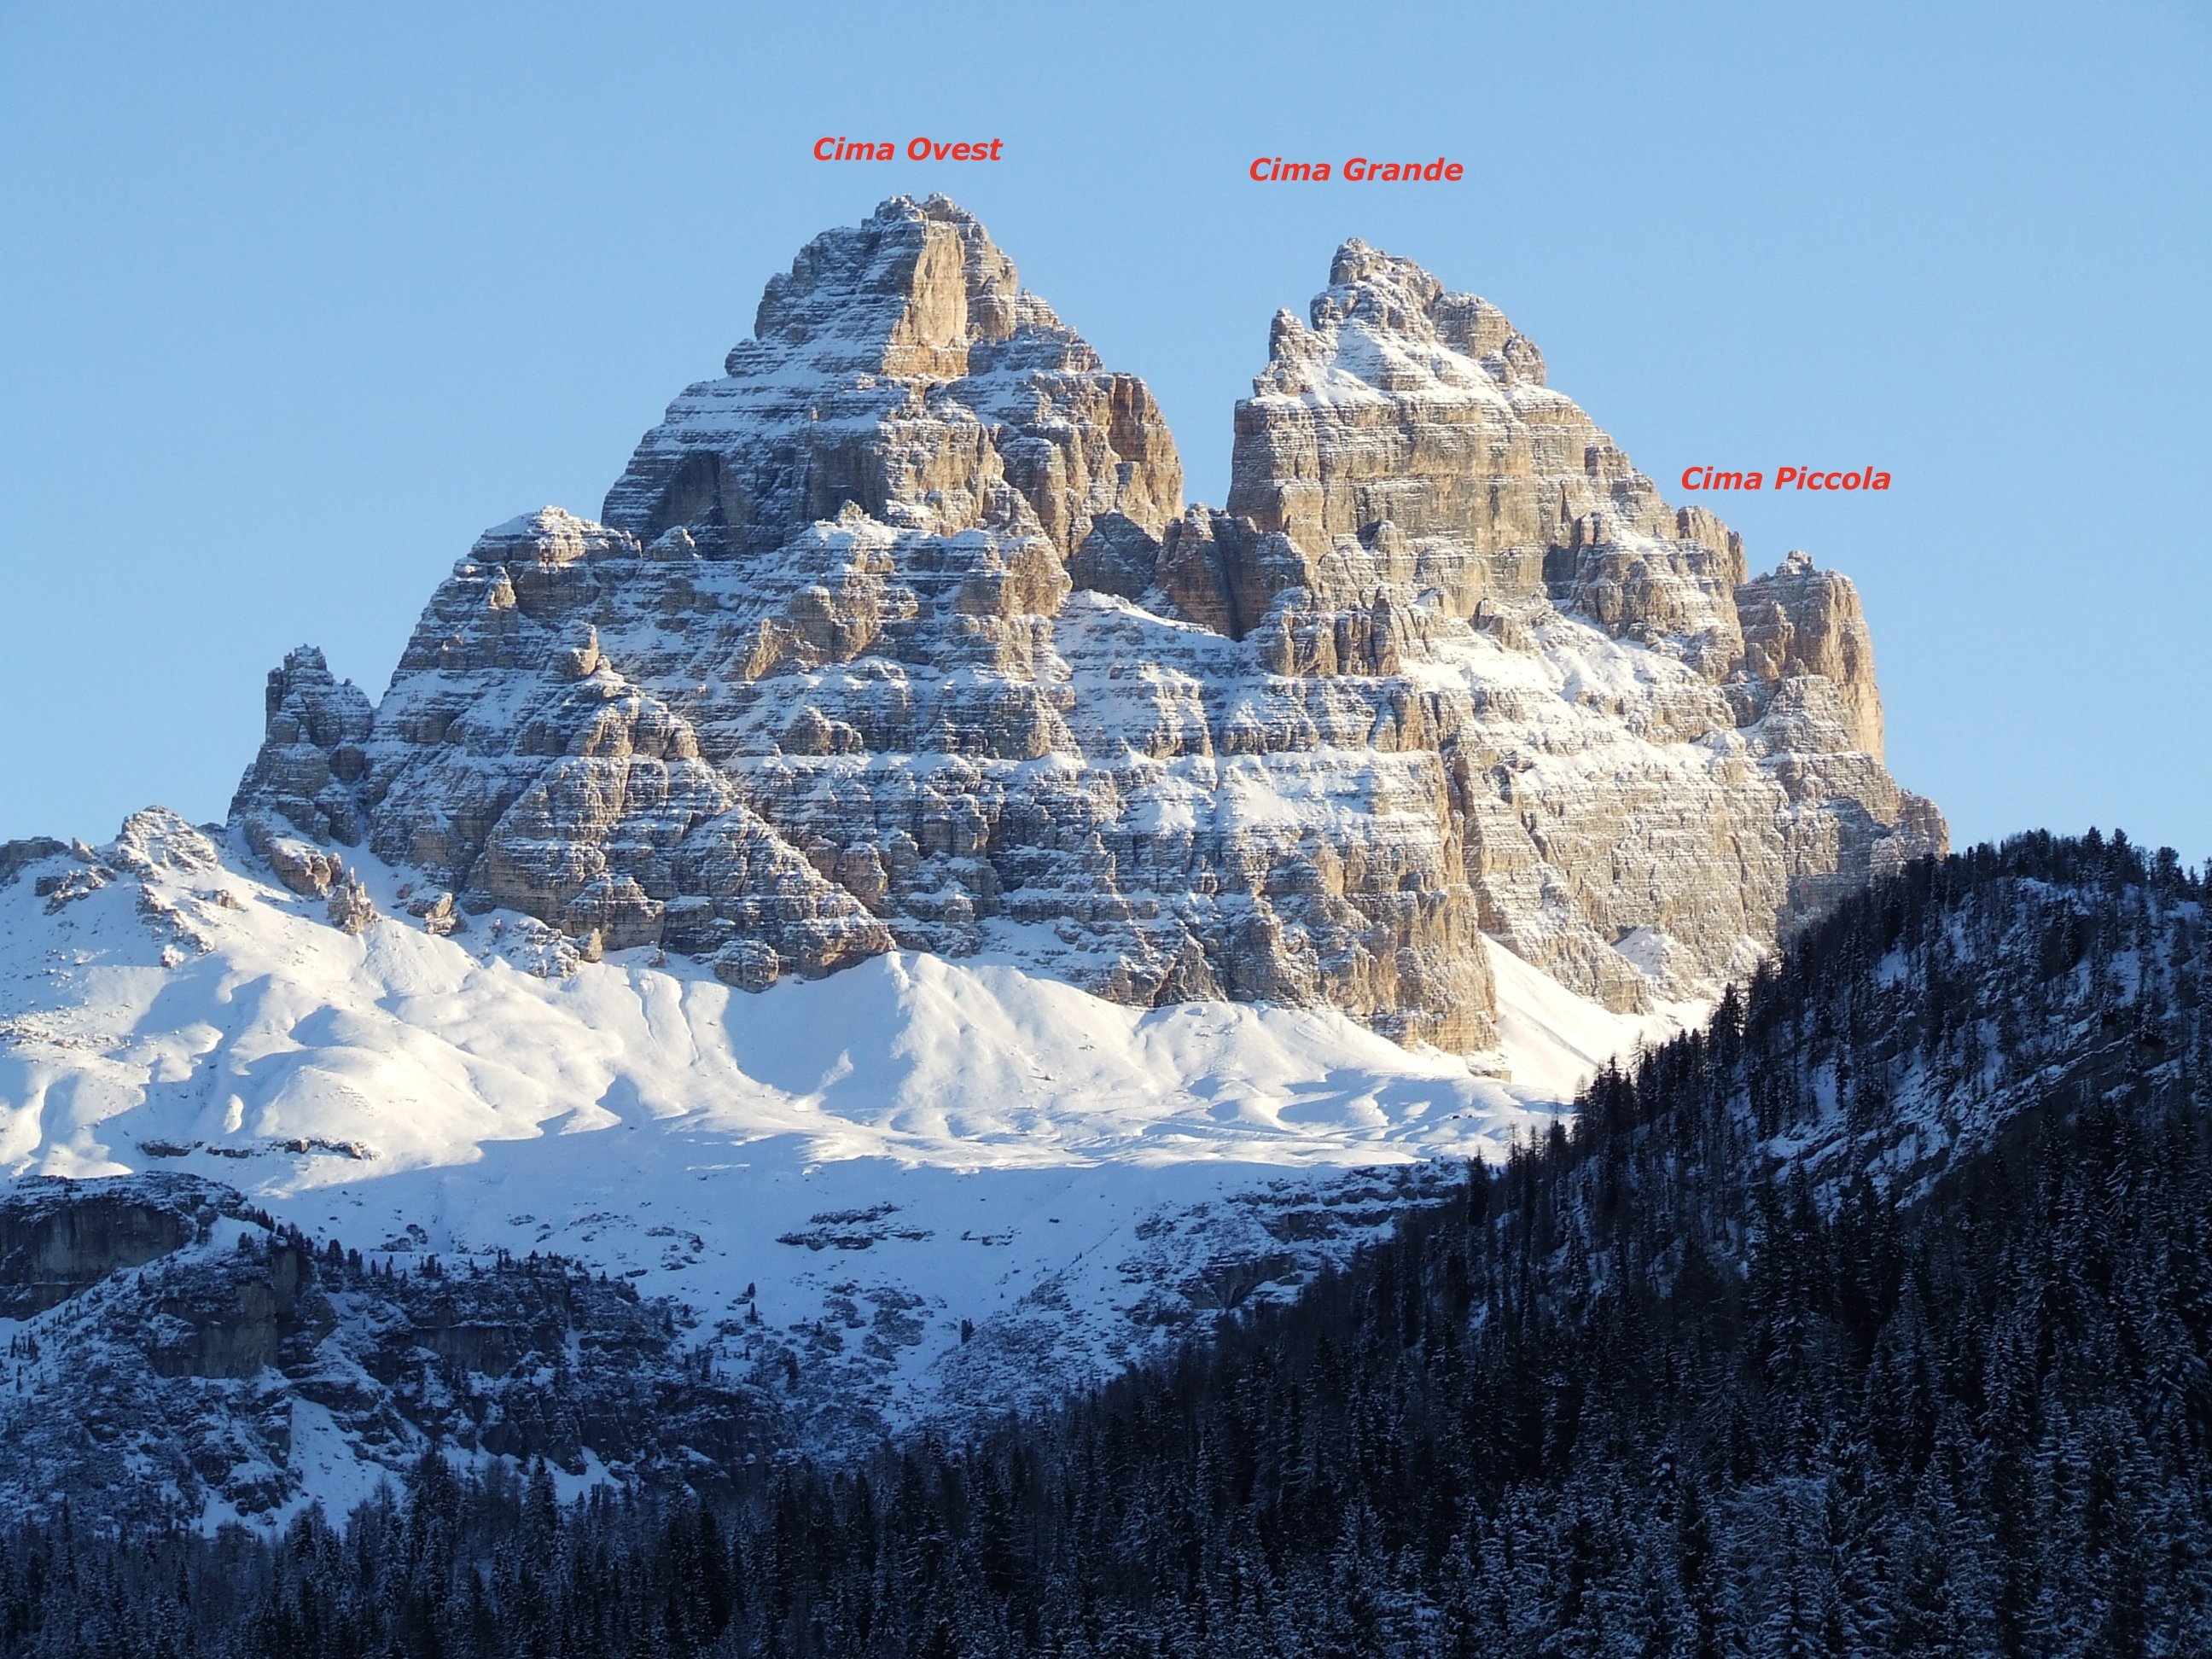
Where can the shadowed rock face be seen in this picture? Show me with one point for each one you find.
(16, 856)
(186, 1340)
(59, 1238)
(899, 632)
(53, 1242)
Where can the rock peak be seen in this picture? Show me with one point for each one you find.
(1367, 282)
(900, 365)
(913, 286)
(1385, 322)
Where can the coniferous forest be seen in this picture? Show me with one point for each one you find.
(1875, 1319)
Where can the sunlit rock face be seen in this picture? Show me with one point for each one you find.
(901, 632)
(901, 368)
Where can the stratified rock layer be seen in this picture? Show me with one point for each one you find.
(901, 368)
(900, 632)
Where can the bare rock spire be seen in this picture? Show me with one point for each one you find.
(899, 365)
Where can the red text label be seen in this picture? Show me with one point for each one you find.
(1785, 477)
(842, 148)
(1359, 170)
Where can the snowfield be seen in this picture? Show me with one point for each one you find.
(902, 1148)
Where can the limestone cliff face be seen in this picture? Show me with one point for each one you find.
(900, 368)
(51, 1248)
(900, 634)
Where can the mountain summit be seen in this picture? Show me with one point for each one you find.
(899, 671)
(899, 635)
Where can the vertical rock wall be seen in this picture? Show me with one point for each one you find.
(899, 635)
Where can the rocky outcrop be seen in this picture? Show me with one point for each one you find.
(350, 910)
(179, 1341)
(17, 856)
(227, 1316)
(900, 634)
(55, 1238)
(1801, 621)
(302, 780)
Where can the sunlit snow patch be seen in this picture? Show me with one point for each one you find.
(905, 1146)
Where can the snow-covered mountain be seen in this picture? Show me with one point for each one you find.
(909, 1189)
(908, 892)
(898, 636)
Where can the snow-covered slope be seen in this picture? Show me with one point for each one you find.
(844, 1170)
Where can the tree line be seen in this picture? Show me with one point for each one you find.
(1875, 1318)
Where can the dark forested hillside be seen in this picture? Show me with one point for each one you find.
(1873, 1320)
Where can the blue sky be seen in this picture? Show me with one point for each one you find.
(294, 301)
